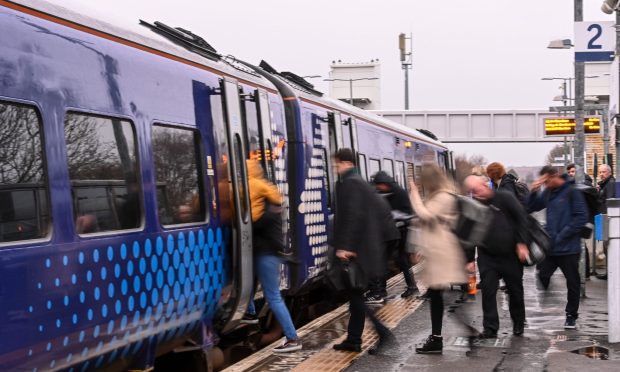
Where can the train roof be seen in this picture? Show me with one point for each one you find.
(152, 41)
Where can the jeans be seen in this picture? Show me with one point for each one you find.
(267, 269)
(492, 269)
(358, 312)
(569, 264)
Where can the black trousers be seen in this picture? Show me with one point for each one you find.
(569, 265)
(358, 313)
(377, 286)
(436, 298)
(492, 269)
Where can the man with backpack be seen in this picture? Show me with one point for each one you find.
(501, 254)
(606, 190)
(507, 182)
(567, 215)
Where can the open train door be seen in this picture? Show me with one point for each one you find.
(242, 261)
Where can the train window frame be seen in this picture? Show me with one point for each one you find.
(399, 169)
(361, 159)
(203, 184)
(36, 108)
(372, 161)
(388, 164)
(138, 170)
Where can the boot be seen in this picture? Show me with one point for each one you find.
(432, 345)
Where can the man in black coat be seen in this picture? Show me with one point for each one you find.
(401, 208)
(359, 235)
(606, 190)
(501, 256)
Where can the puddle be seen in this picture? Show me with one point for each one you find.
(593, 352)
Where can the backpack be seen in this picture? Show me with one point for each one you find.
(521, 188)
(590, 195)
(540, 242)
(472, 224)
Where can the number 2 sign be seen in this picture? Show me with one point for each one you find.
(595, 41)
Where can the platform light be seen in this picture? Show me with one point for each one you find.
(560, 44)
(402, 45)
(408, 144)
(609, 6)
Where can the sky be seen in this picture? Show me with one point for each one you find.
(474, 54)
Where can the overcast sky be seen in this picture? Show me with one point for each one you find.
(468, 54)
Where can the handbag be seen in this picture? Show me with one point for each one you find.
(540, 242)
(353, 275)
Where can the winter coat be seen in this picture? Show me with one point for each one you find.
(508, 227)
(445, 259)
(397, 196)
(567, 214)
(507, 183)
(260, 190)
(607, 190)
(359, 223)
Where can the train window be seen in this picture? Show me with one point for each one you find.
(388, 167)
(327, 177)
(361, 164)
(240, 176)
(179, 175)
(374, 166)
(399, 173)
(103, 169)
(24, 207)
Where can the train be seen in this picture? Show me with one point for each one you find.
(124, 215)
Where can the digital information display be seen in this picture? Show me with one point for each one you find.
(565, 126)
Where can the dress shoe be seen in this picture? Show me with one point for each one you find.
(517, 329)
(348, 346)
(487, 333)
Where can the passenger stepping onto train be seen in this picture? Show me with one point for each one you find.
(267, 238)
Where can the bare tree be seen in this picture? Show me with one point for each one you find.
(557, 151)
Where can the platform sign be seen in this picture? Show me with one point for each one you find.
(595, 41)
(565, 126)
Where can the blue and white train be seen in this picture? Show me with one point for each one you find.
(124, 215)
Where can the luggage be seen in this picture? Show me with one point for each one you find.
(474, 219)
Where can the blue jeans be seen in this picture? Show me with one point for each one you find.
(267, 268)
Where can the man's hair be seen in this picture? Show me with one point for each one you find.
(570, 166)
(605, 166)
(345, 155)
(496, 170)
(549, 170)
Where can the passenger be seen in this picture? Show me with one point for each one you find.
(402, 212)
(502, 255)
(501, 180)
(606, 190)
(267, 240)
(445, 259)
(571, 170)
(86, 224)
(359, 236)
(566, 216)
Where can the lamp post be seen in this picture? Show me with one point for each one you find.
(351, 85)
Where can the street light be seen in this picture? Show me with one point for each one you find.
(351, 85)
(609, 6)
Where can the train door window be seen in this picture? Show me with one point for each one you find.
(103, 169)
(388, 167)
(399, 173)
(179, 175)
(374, 166)
(361, 164)
(327, 178)
(240, 176)
(24, 207)
(346, 133)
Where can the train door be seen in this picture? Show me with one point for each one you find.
(335, 143)
(242, 268)
(349, 133)
(264, 125)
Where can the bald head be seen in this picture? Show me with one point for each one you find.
(478, 187)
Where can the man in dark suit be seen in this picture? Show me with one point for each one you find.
(359, 236)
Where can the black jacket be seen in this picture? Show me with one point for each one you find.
(360, 222)
(507, 184)
(509, 225)
(607, 190)
(397, 196)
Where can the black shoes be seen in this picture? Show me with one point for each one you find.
(409, 292)
(601, 276)
(432, 345)
(517, 329)
(571, 322)
(487, 333)
(375, 300)
(249, 319)
(348, 346)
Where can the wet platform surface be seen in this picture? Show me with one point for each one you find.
(545, 346)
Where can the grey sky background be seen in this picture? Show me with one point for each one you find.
(475, 54)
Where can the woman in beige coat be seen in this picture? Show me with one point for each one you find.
(445, 259)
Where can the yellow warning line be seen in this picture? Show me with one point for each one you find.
(328, 359)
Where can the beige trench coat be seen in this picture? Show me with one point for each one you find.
(445, 259)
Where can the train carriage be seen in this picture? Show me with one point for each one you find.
(124, 212)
